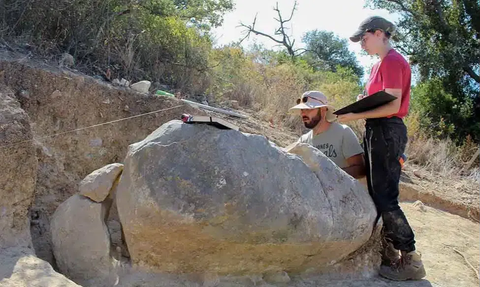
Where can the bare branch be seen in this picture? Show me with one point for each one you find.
(266, 35)
(251, 29)
(293, 10)
(301, 51)
(280, 31)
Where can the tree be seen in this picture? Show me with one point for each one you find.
(281, 35)
(439, 34)
(203, 13)
(326, 51)
(442, 38)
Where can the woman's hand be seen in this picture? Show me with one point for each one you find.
(348, 117)
(360, 96)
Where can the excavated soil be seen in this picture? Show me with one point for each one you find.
(60, 105)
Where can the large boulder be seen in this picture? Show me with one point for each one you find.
(81, 243)
(20, 268)
(18, 168)
(193, 198)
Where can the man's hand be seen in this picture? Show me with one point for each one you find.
(348, 117)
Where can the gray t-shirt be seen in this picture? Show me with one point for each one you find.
(338, 143)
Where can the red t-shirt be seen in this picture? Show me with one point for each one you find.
(393, 72)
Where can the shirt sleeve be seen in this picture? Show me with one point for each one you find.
(350, 144)
(392, 74)
(306, 138)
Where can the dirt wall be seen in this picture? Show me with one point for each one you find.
(60, 101)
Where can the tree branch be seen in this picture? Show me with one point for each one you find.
(280, 31)
(303, 51)
(265, 35)
(403, 7)
(251, 29)
(472, 73)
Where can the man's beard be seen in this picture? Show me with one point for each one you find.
(314, 122)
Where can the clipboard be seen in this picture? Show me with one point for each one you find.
(369, 103)
(213, 121)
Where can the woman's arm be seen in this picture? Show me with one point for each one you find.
(383, 111)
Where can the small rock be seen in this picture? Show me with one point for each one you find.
(210, 280)
(126, 108)
(97, 185)
(419, 205)
(96, 142)
(116, 82)
(115, 231)
(28, 47)
(234, 104)
(141, 86)
(276, 277)
(67, 60)
(124, 82)
(56, 94)
(25, 94)
(21, 268)
(417, 174)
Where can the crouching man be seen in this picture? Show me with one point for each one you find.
(336, 141)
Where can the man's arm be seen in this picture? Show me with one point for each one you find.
(353, 154)
(356, 166)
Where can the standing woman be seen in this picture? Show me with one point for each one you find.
(384, 143)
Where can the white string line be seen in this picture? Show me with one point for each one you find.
(89, 127)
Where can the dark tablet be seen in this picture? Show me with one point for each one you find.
(369, 103)
(219, 123)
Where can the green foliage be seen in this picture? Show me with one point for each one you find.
(234, 76)
(203, 13)
(326, 51)
(160, 40)
(441, 114)
(442, 39)
(269, 82)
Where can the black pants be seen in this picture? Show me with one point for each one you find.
(384, 143)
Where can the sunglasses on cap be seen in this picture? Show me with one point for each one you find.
(305, 99)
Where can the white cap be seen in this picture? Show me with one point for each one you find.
(314, 100)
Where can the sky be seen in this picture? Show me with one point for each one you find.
(341, 17)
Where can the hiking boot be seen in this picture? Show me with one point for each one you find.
(390, 255)
(408, 267)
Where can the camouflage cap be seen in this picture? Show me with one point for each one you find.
(371, 24)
